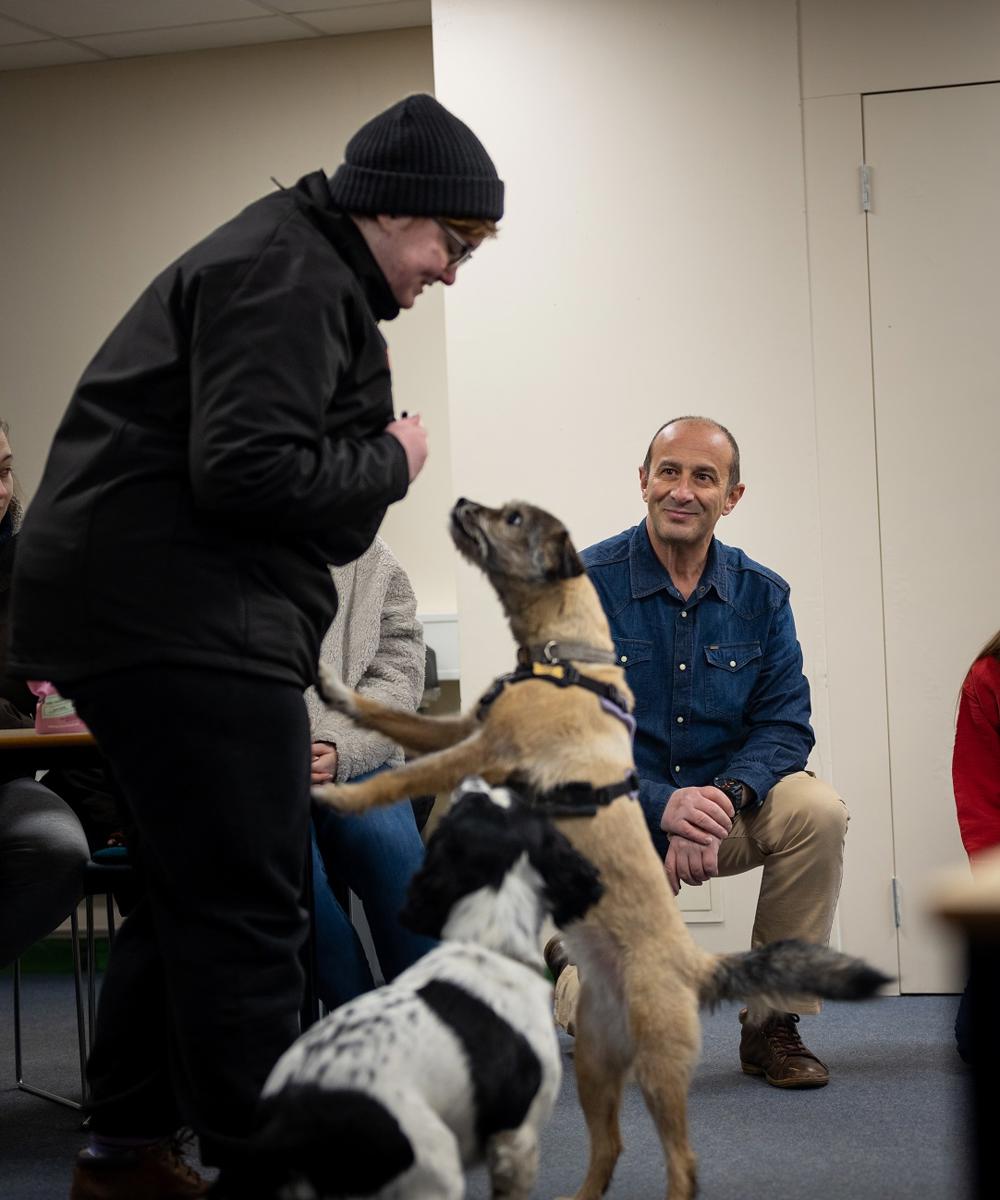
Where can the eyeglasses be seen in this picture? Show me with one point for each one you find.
(459, 250)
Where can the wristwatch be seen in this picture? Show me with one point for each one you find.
(734, 789)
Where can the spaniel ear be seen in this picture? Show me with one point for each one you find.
(572, 882)
(472, 847)
(429, 899)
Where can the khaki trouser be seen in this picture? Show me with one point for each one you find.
(797, 838)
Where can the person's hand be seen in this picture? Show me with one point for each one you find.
(688, 862)
(323, 762)
(698, 814)
(412, 436)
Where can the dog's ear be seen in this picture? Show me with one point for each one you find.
(471, 848)
(572, 882)
(561, 558)
(570, 563)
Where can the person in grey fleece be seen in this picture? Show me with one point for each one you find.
(376, 645)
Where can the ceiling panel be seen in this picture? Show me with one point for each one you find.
(197, 37)
(52, 53)
(37, 33)
(396, 14)
(71, 18)
(308, 7)
(11, 33)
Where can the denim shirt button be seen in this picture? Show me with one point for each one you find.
(624, 658)
(684, 612)
(682, 667)
(676, 769)
(732, 662)
(680, 720)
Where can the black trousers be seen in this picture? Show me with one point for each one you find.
(204, 983)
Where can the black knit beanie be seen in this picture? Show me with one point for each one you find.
(417, 160)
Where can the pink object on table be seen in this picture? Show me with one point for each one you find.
(54, 713)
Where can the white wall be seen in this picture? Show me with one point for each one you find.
(662, 254)
(112, 169)
(652, 263)
(852, 47)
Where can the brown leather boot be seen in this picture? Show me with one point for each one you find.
(775, 1051)
(157, 1172)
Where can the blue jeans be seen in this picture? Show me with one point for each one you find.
(375, 855)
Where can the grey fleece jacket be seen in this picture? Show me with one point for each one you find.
(376, 645)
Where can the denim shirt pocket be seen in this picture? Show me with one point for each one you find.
(731, 672)
(635, 656)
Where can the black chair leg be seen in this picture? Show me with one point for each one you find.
(22, 1084)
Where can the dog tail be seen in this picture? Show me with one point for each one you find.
(343, 1141)
(789, 967)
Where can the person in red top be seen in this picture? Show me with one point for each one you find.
(975, 764)
(975, 773)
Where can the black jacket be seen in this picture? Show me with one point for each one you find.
(224, 445)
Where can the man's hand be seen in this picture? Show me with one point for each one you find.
(698, 814)
(412, 436)
(687, 862)
(323, 762)
(696, 819)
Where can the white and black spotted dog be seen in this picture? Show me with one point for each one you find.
(457, 1061)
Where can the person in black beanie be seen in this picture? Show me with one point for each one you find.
(232, 437)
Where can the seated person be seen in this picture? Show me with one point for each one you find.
(975, 772)
(376, 645)
(43, 848)
(708, 643)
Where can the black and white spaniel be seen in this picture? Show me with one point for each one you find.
(457, 1061)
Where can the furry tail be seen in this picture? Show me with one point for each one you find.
(790, 967)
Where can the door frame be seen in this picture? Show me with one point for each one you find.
(836, 229)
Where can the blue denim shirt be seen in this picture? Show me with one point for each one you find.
(717, 678)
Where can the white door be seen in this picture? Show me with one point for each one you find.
(934, 257)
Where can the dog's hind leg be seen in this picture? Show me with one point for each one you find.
(512, 1157)
(665, 1056)
(433, 773)
(601, 1066)
(437, 1172)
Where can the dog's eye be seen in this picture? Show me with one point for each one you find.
(514, 518)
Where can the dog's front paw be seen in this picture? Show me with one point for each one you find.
(334, 691)
(343, 797)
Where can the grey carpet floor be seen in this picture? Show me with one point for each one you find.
(894, 1123)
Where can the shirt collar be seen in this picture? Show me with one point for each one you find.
(648, 574)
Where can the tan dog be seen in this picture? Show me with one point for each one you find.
(557, 730)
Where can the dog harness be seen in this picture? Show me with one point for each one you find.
(577, 798)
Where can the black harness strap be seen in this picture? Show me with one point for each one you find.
(576, 799)
(562, 674)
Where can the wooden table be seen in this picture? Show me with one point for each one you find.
(26, 750)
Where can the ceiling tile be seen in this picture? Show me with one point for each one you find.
(11, 34)
(197, 37)
(394, 14)
(43, 54)
(72, 18)
(310, 6)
